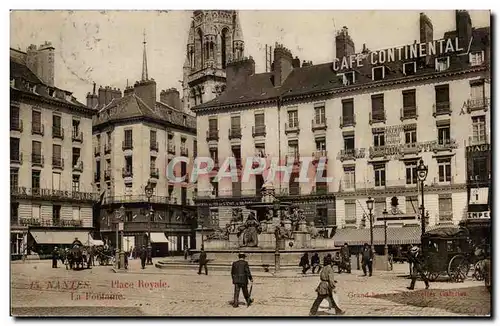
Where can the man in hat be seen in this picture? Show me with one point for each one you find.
(367, 259)
(143, 256)
(416, 258)
(325, 289)
(240, 272)
(203, 261)
(55, 254)
(345, 258)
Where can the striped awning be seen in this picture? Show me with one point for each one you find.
(60, 237)
(159, 237)
(400, 235)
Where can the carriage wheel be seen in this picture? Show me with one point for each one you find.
(478, 271)
(458, 268)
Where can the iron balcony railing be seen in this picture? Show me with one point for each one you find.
(234, 133)
(441, 108)
(16, 157)
(37, 160)
(77, 136)
(292, 128)
(409, 112)
(347, 121)
(78, 167)
(153, 145)
(57, 162)
(318, 125)
(212, 134)
(16, 125)
(57, 132)
(258, 131)
(377, 116)
(127, 144)
(37, 129)
(475, 104)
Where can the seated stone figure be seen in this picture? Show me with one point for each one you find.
(251, 230)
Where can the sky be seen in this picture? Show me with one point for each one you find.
(106, 47)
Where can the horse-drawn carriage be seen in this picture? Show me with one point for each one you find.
(77, 257)
(103, 255)
(448, 250)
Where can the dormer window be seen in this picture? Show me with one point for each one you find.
(409, 68)
(476, 58)
(347, 78)
(378, 73)
(442, 64)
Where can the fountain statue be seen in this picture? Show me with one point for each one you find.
(250, 230)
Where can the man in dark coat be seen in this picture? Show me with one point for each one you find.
(345, 259)
(304, 263)
(55, 255)
(416, 258)
(367, 259)
(315, 262)
(240, 272)
(186, 252)
(143, 255)
(203, 261)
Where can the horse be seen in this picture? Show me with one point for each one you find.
(76, 258)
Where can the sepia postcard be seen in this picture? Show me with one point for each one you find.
(200, 163)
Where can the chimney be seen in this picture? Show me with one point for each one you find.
(464, 28)
(92, 99)
(171, 97)
(296, 62)
(108, 95)
(344, 45)
(101, 97)
(146, 91)
(282, 64)
(41, 62)
(128, 91)
(237, 72)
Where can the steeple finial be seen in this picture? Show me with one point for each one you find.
(144, 60)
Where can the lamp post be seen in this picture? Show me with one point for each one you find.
(369, 205)
(277, 258)
(148, 189)
(119, 215)
(386, 248)
(422, 175)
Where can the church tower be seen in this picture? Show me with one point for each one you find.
(215, 38)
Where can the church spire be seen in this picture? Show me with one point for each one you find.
(144, 60)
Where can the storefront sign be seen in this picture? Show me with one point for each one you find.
(51, 193)
(478, 215)
(479, 148)
(402, 53)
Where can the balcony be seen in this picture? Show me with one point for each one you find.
(37, 160)
(57, 162)
(444, 145)
(409, 113)
(258, 131)
(234, 133)
(97, 151)
(127, 172)
(321, 125)
(410, 149)
(16, 125)
(348, 121)
(154, 173)
(127, 145)
(171, 147)
(213, 135)
(77, 136)
(57, 132)
(377, 117)
(184, 151)
(318, 154)
(37, 129)
(292, 128)
(107, 174)
(78, 167)
(475, 141)
(107, 148)
(97, 176)
(153, 146)
(49, 222)
(478, 104)
(441, 108)
(351, 154)
(16, 158)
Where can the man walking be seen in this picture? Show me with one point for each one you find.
(416, 258)
(367, 259)
(143, 256)
(203, 261)
(325, 289)
(240, 272)
(315, 262)
(304, 263)
(186, 252)
(345, 258)
(55, 255)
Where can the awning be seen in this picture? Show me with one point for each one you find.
(400, 235)
(60, 237)
(479, 196)
(159, 237)
(93, 242)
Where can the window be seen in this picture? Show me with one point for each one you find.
(443, 135)
(129, 216)
(108, 137)
(442, 64)
(76, 156)
(477, 91)
(409, 99)
(320, 144)
(108, 189)
(379, 175)
(14, 118)
(98, 168)
(293, 119)
(411, 205)
(293, 185)
(56, 180)
(378, 139)
(14, 149)
(36, 148)
(76, 128)
(184, 120)
(214, 155)
(237, 154)
(35, 179)
(293, 148)
(411, 173)
(349, 177)
(319, 114)
(348, 108)
(14, 178)
(56, 125)
(378, 208)
(76, 183)
(56, 214)
(378, 107)
(128, 163)
(480, 168)
(128, 138)
(152, 138)
(444, 168)
(36, 121)
(442, 97)
(259, 120)
(350, 212)
(152, 162)
(195, 148)
(35, 211)
(260, 149)
(476, 58)
(445, 208)
(212, 124)
(348, 78)
(409, 68)
(99, 142)
(56, 155)
(378, 73)
(410, 136)
(128, 189)
(235, 123)
(215, 188)
(478, 129)
(183, 144)
(349, 142)
(14, 212)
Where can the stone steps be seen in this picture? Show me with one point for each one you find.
(221, 266)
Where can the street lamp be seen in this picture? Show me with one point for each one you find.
(369, 205)
(422, 175)
(119, 215)
(148, 189)
(386, 248)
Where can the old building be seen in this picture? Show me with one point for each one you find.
(50, 134)
(373, 115)
(134, 138)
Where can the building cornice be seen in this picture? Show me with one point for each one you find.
(123, 121)
(401, 191)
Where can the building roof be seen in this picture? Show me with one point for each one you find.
(320, 78)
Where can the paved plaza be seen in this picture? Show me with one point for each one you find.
(39, 290)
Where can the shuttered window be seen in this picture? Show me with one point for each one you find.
(445, 208)
(259, 119)
(348, 108)
(212, 124)
(35, 211)
(76, 213)
(235, 123)
(350, 212)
